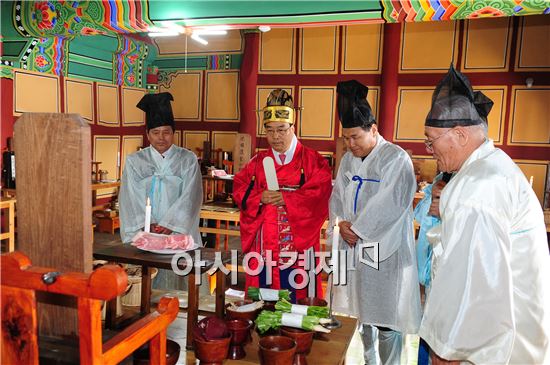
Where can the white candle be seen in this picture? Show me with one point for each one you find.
(531, 181)
(147, 226)
(335, 246)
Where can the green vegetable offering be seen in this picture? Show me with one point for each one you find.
(284, 305)
(267, 294)
(268, 319)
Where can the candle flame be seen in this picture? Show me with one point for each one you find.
(336, 221)
(148, 201)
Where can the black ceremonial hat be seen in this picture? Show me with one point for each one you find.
(353, 108)
(454, 103)
(158, 110)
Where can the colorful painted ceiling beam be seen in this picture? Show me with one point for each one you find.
(432, 10)
(303, 13)
(110, 17)
(192, 13)
(71, 18)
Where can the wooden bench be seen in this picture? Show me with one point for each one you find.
(20, 282)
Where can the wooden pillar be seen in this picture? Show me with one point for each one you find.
(389, 80)
(248, 82)
(54, 203)
(6, 111)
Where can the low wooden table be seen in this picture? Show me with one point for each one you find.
(128, 254)
(330, 349)
(220, 212)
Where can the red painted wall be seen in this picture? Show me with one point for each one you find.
(389, 81)
(6, 115)
(8, 120)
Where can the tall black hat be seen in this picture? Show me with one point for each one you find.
(454, 103)
(158, 110)
(353, 107)
(483, 105)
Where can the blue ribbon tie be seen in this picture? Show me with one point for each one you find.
(360, 180)
(152, 193)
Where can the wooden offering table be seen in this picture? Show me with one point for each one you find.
(329, 349)
(126, 253)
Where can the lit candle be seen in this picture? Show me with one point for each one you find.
(335, 246)
(531, 181)
(147, 226)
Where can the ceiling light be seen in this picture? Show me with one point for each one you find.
(210, 32)
(154, 29)
(215, 27)
(264, 28)
(199, 39)
(176, 28)
(163, 34)
(167, 29)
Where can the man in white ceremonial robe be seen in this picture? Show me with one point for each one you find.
(490, 288)
(372, 199)
(166, 174)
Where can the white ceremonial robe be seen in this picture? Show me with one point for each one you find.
(387, 297)
(490, 286)
(174, 185)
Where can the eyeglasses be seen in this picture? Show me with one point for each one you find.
(429, 144)
(278, 131)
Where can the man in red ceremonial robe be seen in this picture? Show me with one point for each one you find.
(288, 220)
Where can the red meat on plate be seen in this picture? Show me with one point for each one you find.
(155, 241)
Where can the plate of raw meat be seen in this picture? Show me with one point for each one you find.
(163, 244)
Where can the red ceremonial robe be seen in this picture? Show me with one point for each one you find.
(306, 207)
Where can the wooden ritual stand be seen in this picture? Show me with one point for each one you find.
(54, 216)
(241, 152)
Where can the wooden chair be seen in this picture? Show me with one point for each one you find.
(199, 153)
(8, 232)
(20, 281)
(228, 166)
(217, 157)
